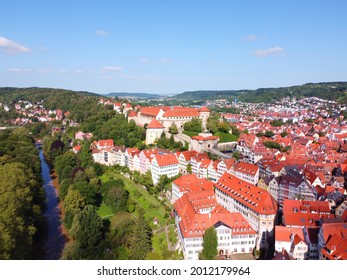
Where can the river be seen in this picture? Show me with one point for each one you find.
(54, 240)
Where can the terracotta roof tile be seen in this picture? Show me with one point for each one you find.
(246, 168)
(154, 124)
(166, 159)
(253, 197)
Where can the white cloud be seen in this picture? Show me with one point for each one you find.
(108, 78)
(150, 61)
(267, 52)
(108, 69)
(101, 32)
(12, 47)
(19, 70)
(79, 71)
(62, 71)
(251, 37)
(44, 70)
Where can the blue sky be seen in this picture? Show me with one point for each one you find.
(169, 47)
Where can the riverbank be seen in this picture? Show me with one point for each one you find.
(55, 239)
(56, 185)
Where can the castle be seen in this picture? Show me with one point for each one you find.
(159, 119)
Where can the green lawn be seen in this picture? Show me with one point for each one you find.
(190, 133)
(225, 137)
(105, 212)
(151, 205)
(153, 208)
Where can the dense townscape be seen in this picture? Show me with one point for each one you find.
(269, 179)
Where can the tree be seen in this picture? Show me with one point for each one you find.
(117, 199)
(189, 168)
(236, 155)
(223, 127)
(142, 239)
(260, 134)
(87, 232)
(284, 134)
(193, 125)
(173, 129)
(277, 122)
(73, 203)
(269, 134)
(209, 244)
(212, 122)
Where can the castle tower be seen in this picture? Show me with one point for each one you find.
(153, 131)
(204, 113)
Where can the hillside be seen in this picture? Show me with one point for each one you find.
(133, 94)
(332, 91)
(79, 103)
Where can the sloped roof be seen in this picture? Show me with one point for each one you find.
(247, 168)
(150, 111)
(166, 159)
(154, 124)
(106, 143)
(194, 224)
(335, 248)
(207, 138)
(284, 234)
(191, 183)
(181, 112)
(253, 197)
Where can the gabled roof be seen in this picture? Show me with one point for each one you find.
(330, 229)
(150, 111)
(188, 154)
(166, 159)
(204, 109)
(284, 234)
(205, 138)
(253, 197)
(132, 114)
(154, 124)
(283, 256)
(335, 248)
(193, 223)
(191, 183)
(246, 168)
(181, 112)
(106, 143)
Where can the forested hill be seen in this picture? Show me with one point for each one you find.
(332, 91)
(133, 94)
(79, 103)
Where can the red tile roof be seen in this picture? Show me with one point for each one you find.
(284, 234)
(106, 143)
(132, 114)
(181, 112)
(305, 206)
(246, 168)
(330, 229)
(154, 124)
(188, 154)
(167, 159)
(202, 138)
(253, 197)
(204, 109)
(335, 248)
(150, 111)
(77, 148)
(194, 224)
(191, 183)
